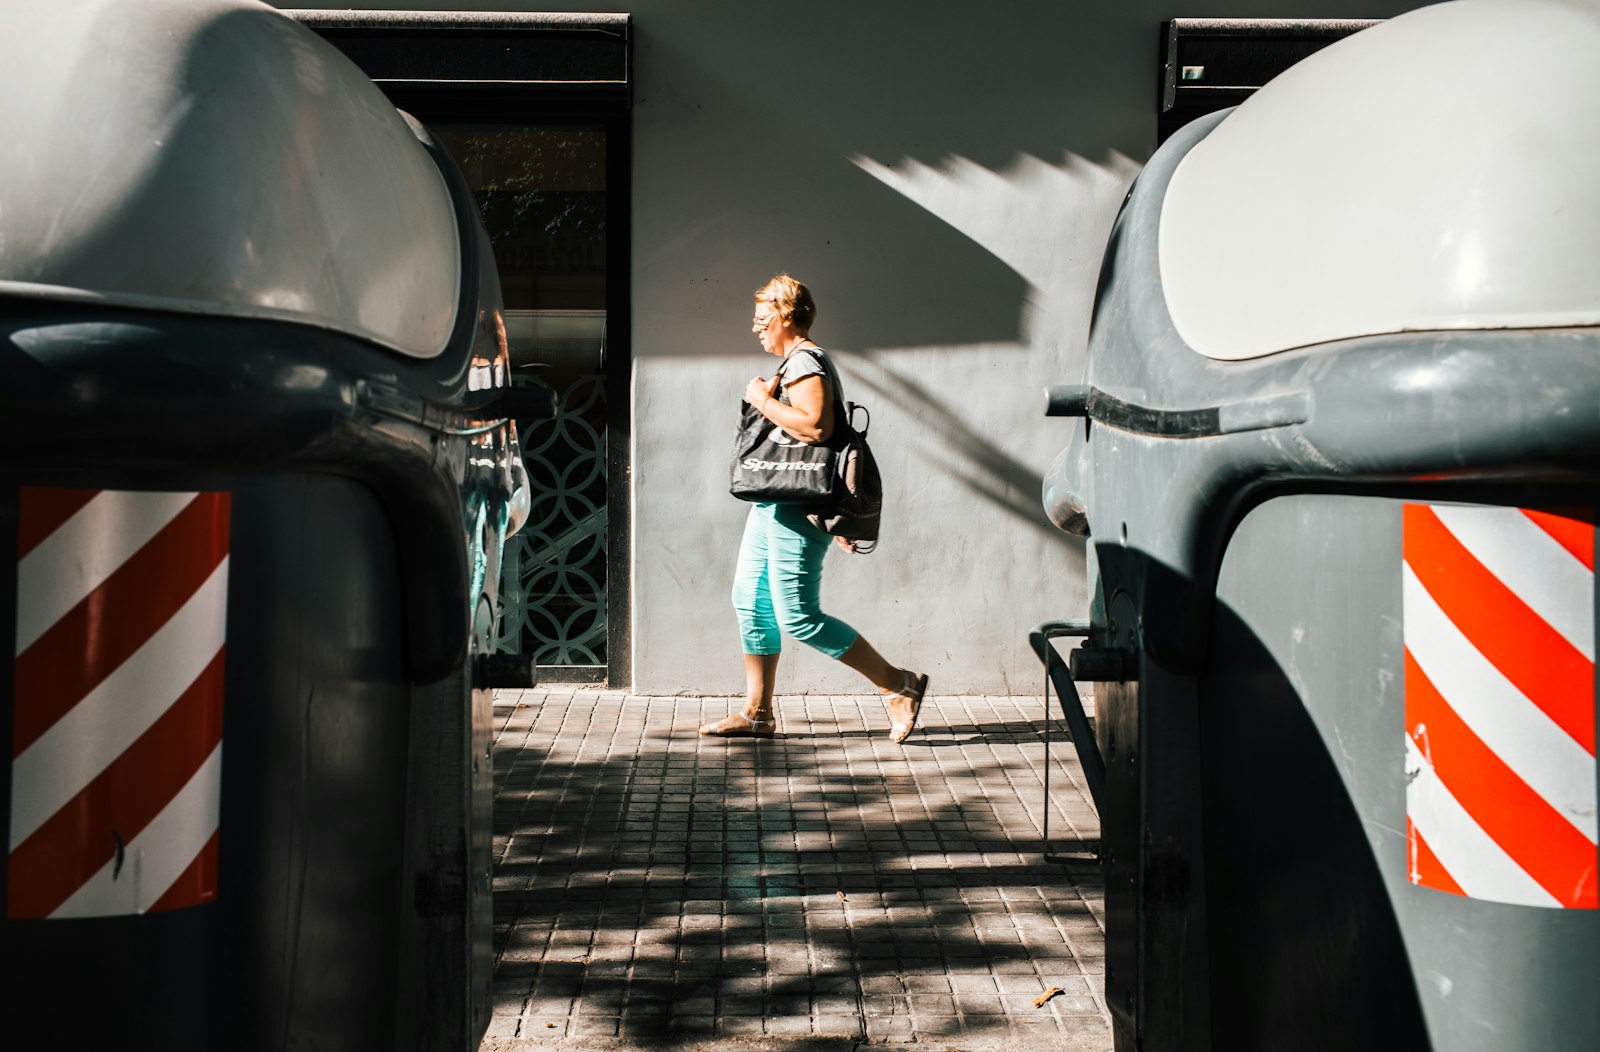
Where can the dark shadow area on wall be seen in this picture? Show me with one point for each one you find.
(929, 82)
(886, 272)
(777, 185)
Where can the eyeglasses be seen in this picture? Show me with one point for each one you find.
(761, 321)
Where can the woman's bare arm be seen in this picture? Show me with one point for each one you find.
(807, 415)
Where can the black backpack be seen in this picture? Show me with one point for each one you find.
(857, 487)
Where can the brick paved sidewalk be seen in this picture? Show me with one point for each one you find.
(820, 890)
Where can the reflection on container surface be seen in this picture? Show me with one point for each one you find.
(542, 193)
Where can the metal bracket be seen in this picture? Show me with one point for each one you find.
(1094, 768)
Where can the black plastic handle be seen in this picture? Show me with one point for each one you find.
(1067, 400)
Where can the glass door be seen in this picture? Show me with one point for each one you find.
(542, 191)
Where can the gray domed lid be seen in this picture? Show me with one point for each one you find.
(215, 157)
(1438, 171)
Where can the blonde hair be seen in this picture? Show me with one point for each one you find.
(791, 300)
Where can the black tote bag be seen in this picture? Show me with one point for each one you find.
(772, 466)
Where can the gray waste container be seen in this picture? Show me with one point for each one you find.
(256, 470)
(1339, 460)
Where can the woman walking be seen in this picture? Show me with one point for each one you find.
(778, 583)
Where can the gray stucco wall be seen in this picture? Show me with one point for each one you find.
(944, 177)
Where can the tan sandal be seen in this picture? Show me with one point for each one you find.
(728, 727)
(915, 687)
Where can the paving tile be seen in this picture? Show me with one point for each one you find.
(980, 1023)
(698, 1024)
(837, 1025)
(974, 1004)
(890, 1030)
(503, 1026)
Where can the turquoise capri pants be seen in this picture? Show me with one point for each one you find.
(778, 583)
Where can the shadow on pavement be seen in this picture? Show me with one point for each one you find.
(653, 884)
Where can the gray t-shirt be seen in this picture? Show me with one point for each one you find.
(800, 364)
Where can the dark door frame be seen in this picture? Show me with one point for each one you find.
(527, 68)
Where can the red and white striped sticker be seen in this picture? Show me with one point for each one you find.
(116, 776)
(1499, 612)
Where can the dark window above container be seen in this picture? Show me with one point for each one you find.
(580, 56)
(1208, 64)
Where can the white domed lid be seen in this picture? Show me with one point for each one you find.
(1437, 171)
(215, 157)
